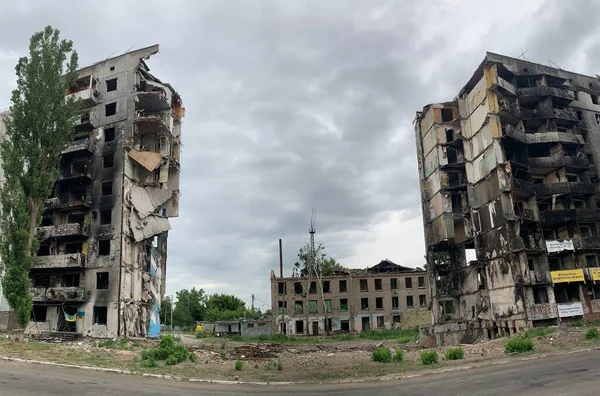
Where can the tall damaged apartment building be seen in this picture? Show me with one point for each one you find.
(509, 171)
(100, 269)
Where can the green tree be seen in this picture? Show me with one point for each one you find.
(190, 307)
(324, 266)
(226, 307)
(39, 127)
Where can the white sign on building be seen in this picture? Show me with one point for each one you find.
(568, 310)
(559, 246)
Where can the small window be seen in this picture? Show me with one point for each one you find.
(408, 283)
(112, 68)
(100, 315)
(38, 313)
(364, 304)
(282, 305)
(326, 287)
(343, 286)
(531, 264)
(421, 282)
(298, 307)
(379, 303)
(422, 300)
(313, 288)
(299, 326)
(396, 319)
(250, 325)
(343, 304)
(598, 119)
(109, 134)
(328, 306)
(576, 95)
(102, 280)
(312, 306)
(447, 115)
(297, 287)
(591, 261)
(104, 247)
(393, 283)
(380, 321)
(409, 301)
(105, 217)
(595, 99)
(281, 288)
(378, 284)
(595, 292)
(110, 109)
(108, 160)
(111, 85)
(395, 303)
(364, 286)
(345, 325)
(540, 295)
(107, 188)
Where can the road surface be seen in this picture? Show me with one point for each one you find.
(575, 374)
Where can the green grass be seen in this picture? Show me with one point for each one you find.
(539, 333)
(519, 344)
(411, 335)
(429, 358)
(383, 355)
(592, 334)
(454, 354)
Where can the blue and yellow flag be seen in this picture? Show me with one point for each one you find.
(70, 318)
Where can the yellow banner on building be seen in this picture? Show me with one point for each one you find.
(575, 275)
(595, 273)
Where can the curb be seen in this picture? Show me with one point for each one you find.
(288, 383)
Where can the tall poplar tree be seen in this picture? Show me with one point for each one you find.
(39, 127)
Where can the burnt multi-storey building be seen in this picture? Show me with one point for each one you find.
(509, 170)
(100, 268)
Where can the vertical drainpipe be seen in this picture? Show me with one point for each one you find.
(280, 259)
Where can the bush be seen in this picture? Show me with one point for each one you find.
(518, 345)
(223, 355)
(592, 334)
(238, 365)
(429, 357)
(168, 346)
(382, 355)
(148, 363)
(171, 360)
(399, 355)
(279, 365)
(193, 357)
(454, 353)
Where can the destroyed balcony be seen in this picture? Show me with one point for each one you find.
(57, 204)
(523, 188)
(72, 294)
(541, 137)
(79, 147)
(509, 112)
(555, 162)
(83, 175)
(69, 260)
(561, 116)
(87, 97)
(540, 93)
(554, 217)
(63, 230)
(504, 87)
(578, 188)
(86, 121)
(538, 277)
(586, 243)
(152, 98)
(153, 123)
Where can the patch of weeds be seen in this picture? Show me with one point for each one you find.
(454, 354)
(592, 334)
(168, 349)
(223, 355)
(271, 365)
(429, 357)
(518, 344)
(382, 355)
(149, 363)
(256, 365)
(405, 340)
(539, 333)
(110, 344)
(193, 357)
(279, 365)
(238, 365)
(171, 360)
(412, 335)
(399, 355)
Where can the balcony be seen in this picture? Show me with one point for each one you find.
(57, 204)
(543, 92)
(587, 243)
(69, 260)
(79, 147)
(63, 230)
(565, 188)
(153, 123)
(86, 121)
(538, 277)
(152, 96)
(562, 116)
(509, 111)
(541, 137)
(565, 114)
(88, 97)
(559, 161)
(500, 84)
(542, 311)
(74, 294)
(553, 217)
(85, 175)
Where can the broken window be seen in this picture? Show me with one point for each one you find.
(326, 287)
(327, 305)
(540, 295)
(395, 303)
(364, 303)
(104, 247)
(393, 283)
(313, 288)
(595, 99)
(554, 263)
(566, 293)
(110, 109)
(111, 85)
(312, 306)
(74, 247)
(105, 217)
(345, 324)
(76, 217)
(107, 188)
(328, 325)
(595, 292)
(70, 280)
(591, 260)
(364, 286)
(41, 281)
(378, 285)
(102, 280)
(447, 115)
(298, 307)
(343, 304)
(449, 135)
(44, 250)
(112, 68)
(108, 160)
(109, 134)
(408, 283)
(282, 305)
(379, 303)
(297, 287)
(38, 313)
(380, 321)
(46, 221)
(587, 230)
(79, 167)
(421, 282)
(396, 319)
(409, 301)
(299, 326)
(448, 307)
(281, 288)
(343, 286)
(422, 300)
(531, 264)
(572, 178)
(100, 315)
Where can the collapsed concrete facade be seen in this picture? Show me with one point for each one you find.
(100, 268)
(509, 169)
(385, 296)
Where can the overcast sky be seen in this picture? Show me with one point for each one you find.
(299, 104)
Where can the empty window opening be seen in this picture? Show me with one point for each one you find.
(422, 300)
(298, 307)
(70, 280)
(41, 281)
(345, 325)
(364, 303)
(281, 288)
(343, 304)
(110, 109)
(379, 303)
(112, 68)
(408, 283)
(76, 217)
(409, 301)
(326, 286)
(75, 247)
(449, 135)
(380, 321)
(102, 280)
(282, 305)
(343, 286)
(447, 115)
(313, 288)
(396, 319)
(566, 293)
(393, 283)
(46, 221)
(105, 217)
(111, 85)
(297, 287)
(364, 286)
(531, 264)
(421, 282)
(554, 264)
(598, 119)
(572, 178)
(108, 160)
(395, 303)
(595, 99)
(591, 260)
(587, 230)
(107, 188)
(299, 326)
(448, 307)
(378, 284)
(44, 250)
(100, 315)
(109, 134)
(38, 313)
(79, 167)
(104, 247)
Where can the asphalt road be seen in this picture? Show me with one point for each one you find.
(575, 374)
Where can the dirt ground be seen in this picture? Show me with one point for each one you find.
(268, 361)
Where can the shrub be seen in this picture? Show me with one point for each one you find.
(429, 357)
(399, 355)
(454, 353)
(238, 365)
(193, 357)
(382, 355)
(279, 365)
(148, 363)
(592, 334)
(168, 346)
(223, 355)
(518, 345)
(147, 354)
(171, 360)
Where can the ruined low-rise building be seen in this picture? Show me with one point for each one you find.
(385, 296)
(509, 171)
(100, 268)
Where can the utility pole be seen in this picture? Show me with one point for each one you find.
(253, 303)
(172, 304)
